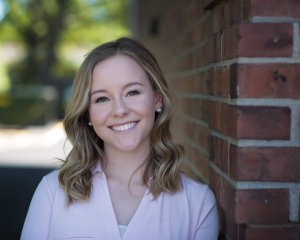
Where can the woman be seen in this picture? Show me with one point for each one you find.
(122, 178)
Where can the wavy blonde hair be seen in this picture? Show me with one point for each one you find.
(164, 160)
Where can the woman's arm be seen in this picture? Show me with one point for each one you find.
(36, 226)
(208, 225)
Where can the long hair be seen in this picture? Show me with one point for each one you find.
(164, 160)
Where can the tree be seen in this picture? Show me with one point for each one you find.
(45, 27)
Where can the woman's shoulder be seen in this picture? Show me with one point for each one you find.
(193, 185)
(196, 190)
(51, 181)
(203, 208)
(52, 177)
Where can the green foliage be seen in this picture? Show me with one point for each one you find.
(53, 36)
(47, 28)
(94, 22)
(86, 21)
(4, 81)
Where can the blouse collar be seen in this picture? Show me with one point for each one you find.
(97, 168)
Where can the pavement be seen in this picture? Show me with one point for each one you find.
(39, 146)
(26, 155)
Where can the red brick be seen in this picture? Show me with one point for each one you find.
(182, 103)
(215, 116)
(198, 160)
(191, 12)
(195, 84)
(201, 163)
(234, 9)
(226, 14)
(199, 109)
(291, 232)
(265, 164)
(228, 199)
(219, 153)
(215, 182)
(197, 134)
(195, 108)
(233, 230)
(256, 122)
(202, 29)
(258, 40)
(218, 47)
(262, 206)
(186, 170)
(250, 122)
(217, 19)
(277, 8)
(229, 42)
(199, 8)
(265, 80)
(258, 206)
(231, 12)
(190, 172)
(179, 124)
(204, 80)
(220, 82)
(210, 3)
(223, 118)
(207, 53)
(265, 40)
(202, 137)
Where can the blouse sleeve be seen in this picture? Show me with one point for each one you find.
(36, 225)
(208, 222)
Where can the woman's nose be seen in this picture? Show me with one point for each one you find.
(120, 108)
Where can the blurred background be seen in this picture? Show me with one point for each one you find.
(42, 43)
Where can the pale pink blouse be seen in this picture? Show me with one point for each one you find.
(188, 214)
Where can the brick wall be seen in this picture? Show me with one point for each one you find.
(235, 68)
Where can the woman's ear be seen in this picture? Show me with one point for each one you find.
(89, 119)
(158, 100)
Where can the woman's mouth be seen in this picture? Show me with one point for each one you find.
(124, 127)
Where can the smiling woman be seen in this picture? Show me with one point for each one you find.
(122, 178)
(122, 107)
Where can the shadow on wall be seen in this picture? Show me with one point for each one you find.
(17, 185)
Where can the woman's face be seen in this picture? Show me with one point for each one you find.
(122, 104)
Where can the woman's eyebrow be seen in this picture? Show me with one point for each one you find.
(124, 87)
(132, 84)
(98, 91)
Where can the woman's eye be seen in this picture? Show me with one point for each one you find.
(133, 93)
(101, 99)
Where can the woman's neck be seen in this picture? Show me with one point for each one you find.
(122, 165)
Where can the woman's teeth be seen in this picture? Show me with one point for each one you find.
(124, 127)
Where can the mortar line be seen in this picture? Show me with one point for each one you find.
(193, 144)
(242, 101)
(254, 142)
(256, 185)
(294, 205)
(195, 170)
(296, 40)
(258, 19)
(240, 60)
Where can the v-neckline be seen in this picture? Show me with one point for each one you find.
(136, 212)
